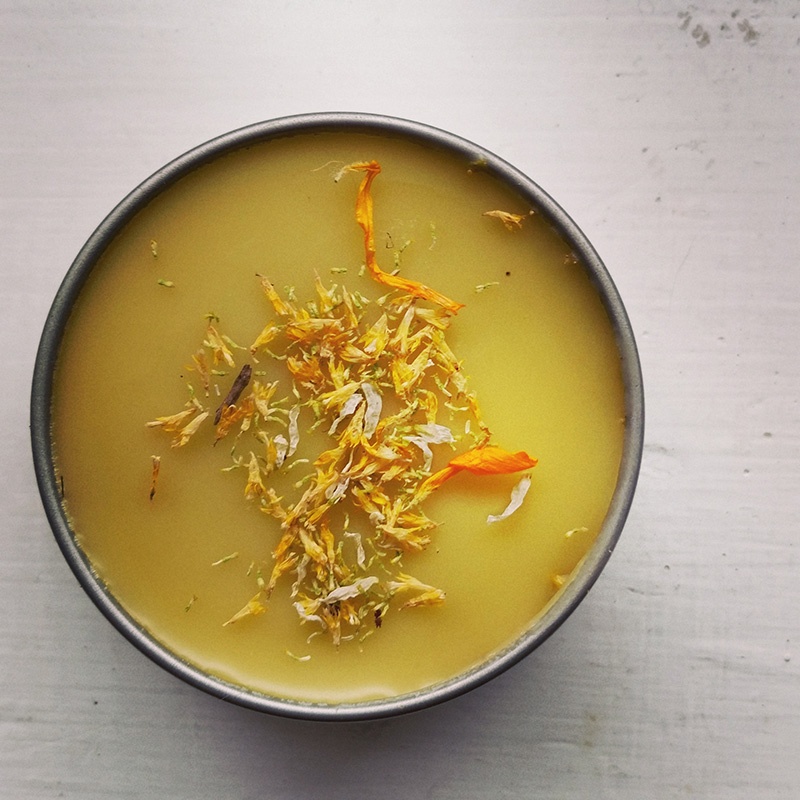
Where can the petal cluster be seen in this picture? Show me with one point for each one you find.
(376, 382)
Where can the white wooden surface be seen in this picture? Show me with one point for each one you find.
(670, 132)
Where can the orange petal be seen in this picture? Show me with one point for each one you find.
(491, 460)
(365, 220)
(488, 460)
(436, 480)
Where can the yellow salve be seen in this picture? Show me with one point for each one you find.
(533, 339)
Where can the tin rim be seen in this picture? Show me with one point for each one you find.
(546, 623)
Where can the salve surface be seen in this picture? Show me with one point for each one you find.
(535, 342)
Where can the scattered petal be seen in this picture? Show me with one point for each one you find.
(351, 590)
(364, 219)
(281, 449)
(253, 608)
(173, 422)
(298, 658)
(189, 430)
(349, 408)
(294, 432)
(570, 534)
(372, 414)
(156, 467)
(517, 496)
(225, 560)
(511, 221)
(491, 460)
(361, 556)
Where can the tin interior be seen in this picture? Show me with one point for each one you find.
(564, 603)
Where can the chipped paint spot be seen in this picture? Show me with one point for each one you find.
(750, 33)
(700, 35)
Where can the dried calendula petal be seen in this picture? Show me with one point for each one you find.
(365, 220)
(294, 430)
(511, 221)
(374, 341)
(517, 496)
(492, 460)
(173, 422)
(255, 487)
(372, 414)
(219, 348)
(570, 533)
(225, 559)
(201, 367)
(347, 410)
(254, 607)
(351, 590)
(426, 595)
(431, 597)
(281, 307)
(156, 467)
(269, 332)
(189, 430)
(488, 460)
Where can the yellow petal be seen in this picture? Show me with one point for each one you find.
(255, 487)
(511, 221)
(173, 422)
(270, 331)
(219, 349)
(189, 430)
(253, 608)
(282, 308)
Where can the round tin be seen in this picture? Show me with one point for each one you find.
(572, 594)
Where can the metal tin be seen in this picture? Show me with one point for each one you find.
(71, 286)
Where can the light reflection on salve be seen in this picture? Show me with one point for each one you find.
(535, 342)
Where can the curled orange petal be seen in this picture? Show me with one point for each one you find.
(491, 460)
(487, 460)
(365, 220)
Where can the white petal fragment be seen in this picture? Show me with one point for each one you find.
(372, 414)
(436, 434)
(571, 533)
(517, 496)
(350, 406)
(426, 450)
(281, 449)
(294, 432)
(301, 571)
(429, 434)
(361, 556)
(337, 490)
(307, 616)
(351, 590)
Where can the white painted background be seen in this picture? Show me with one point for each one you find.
(670, 132)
